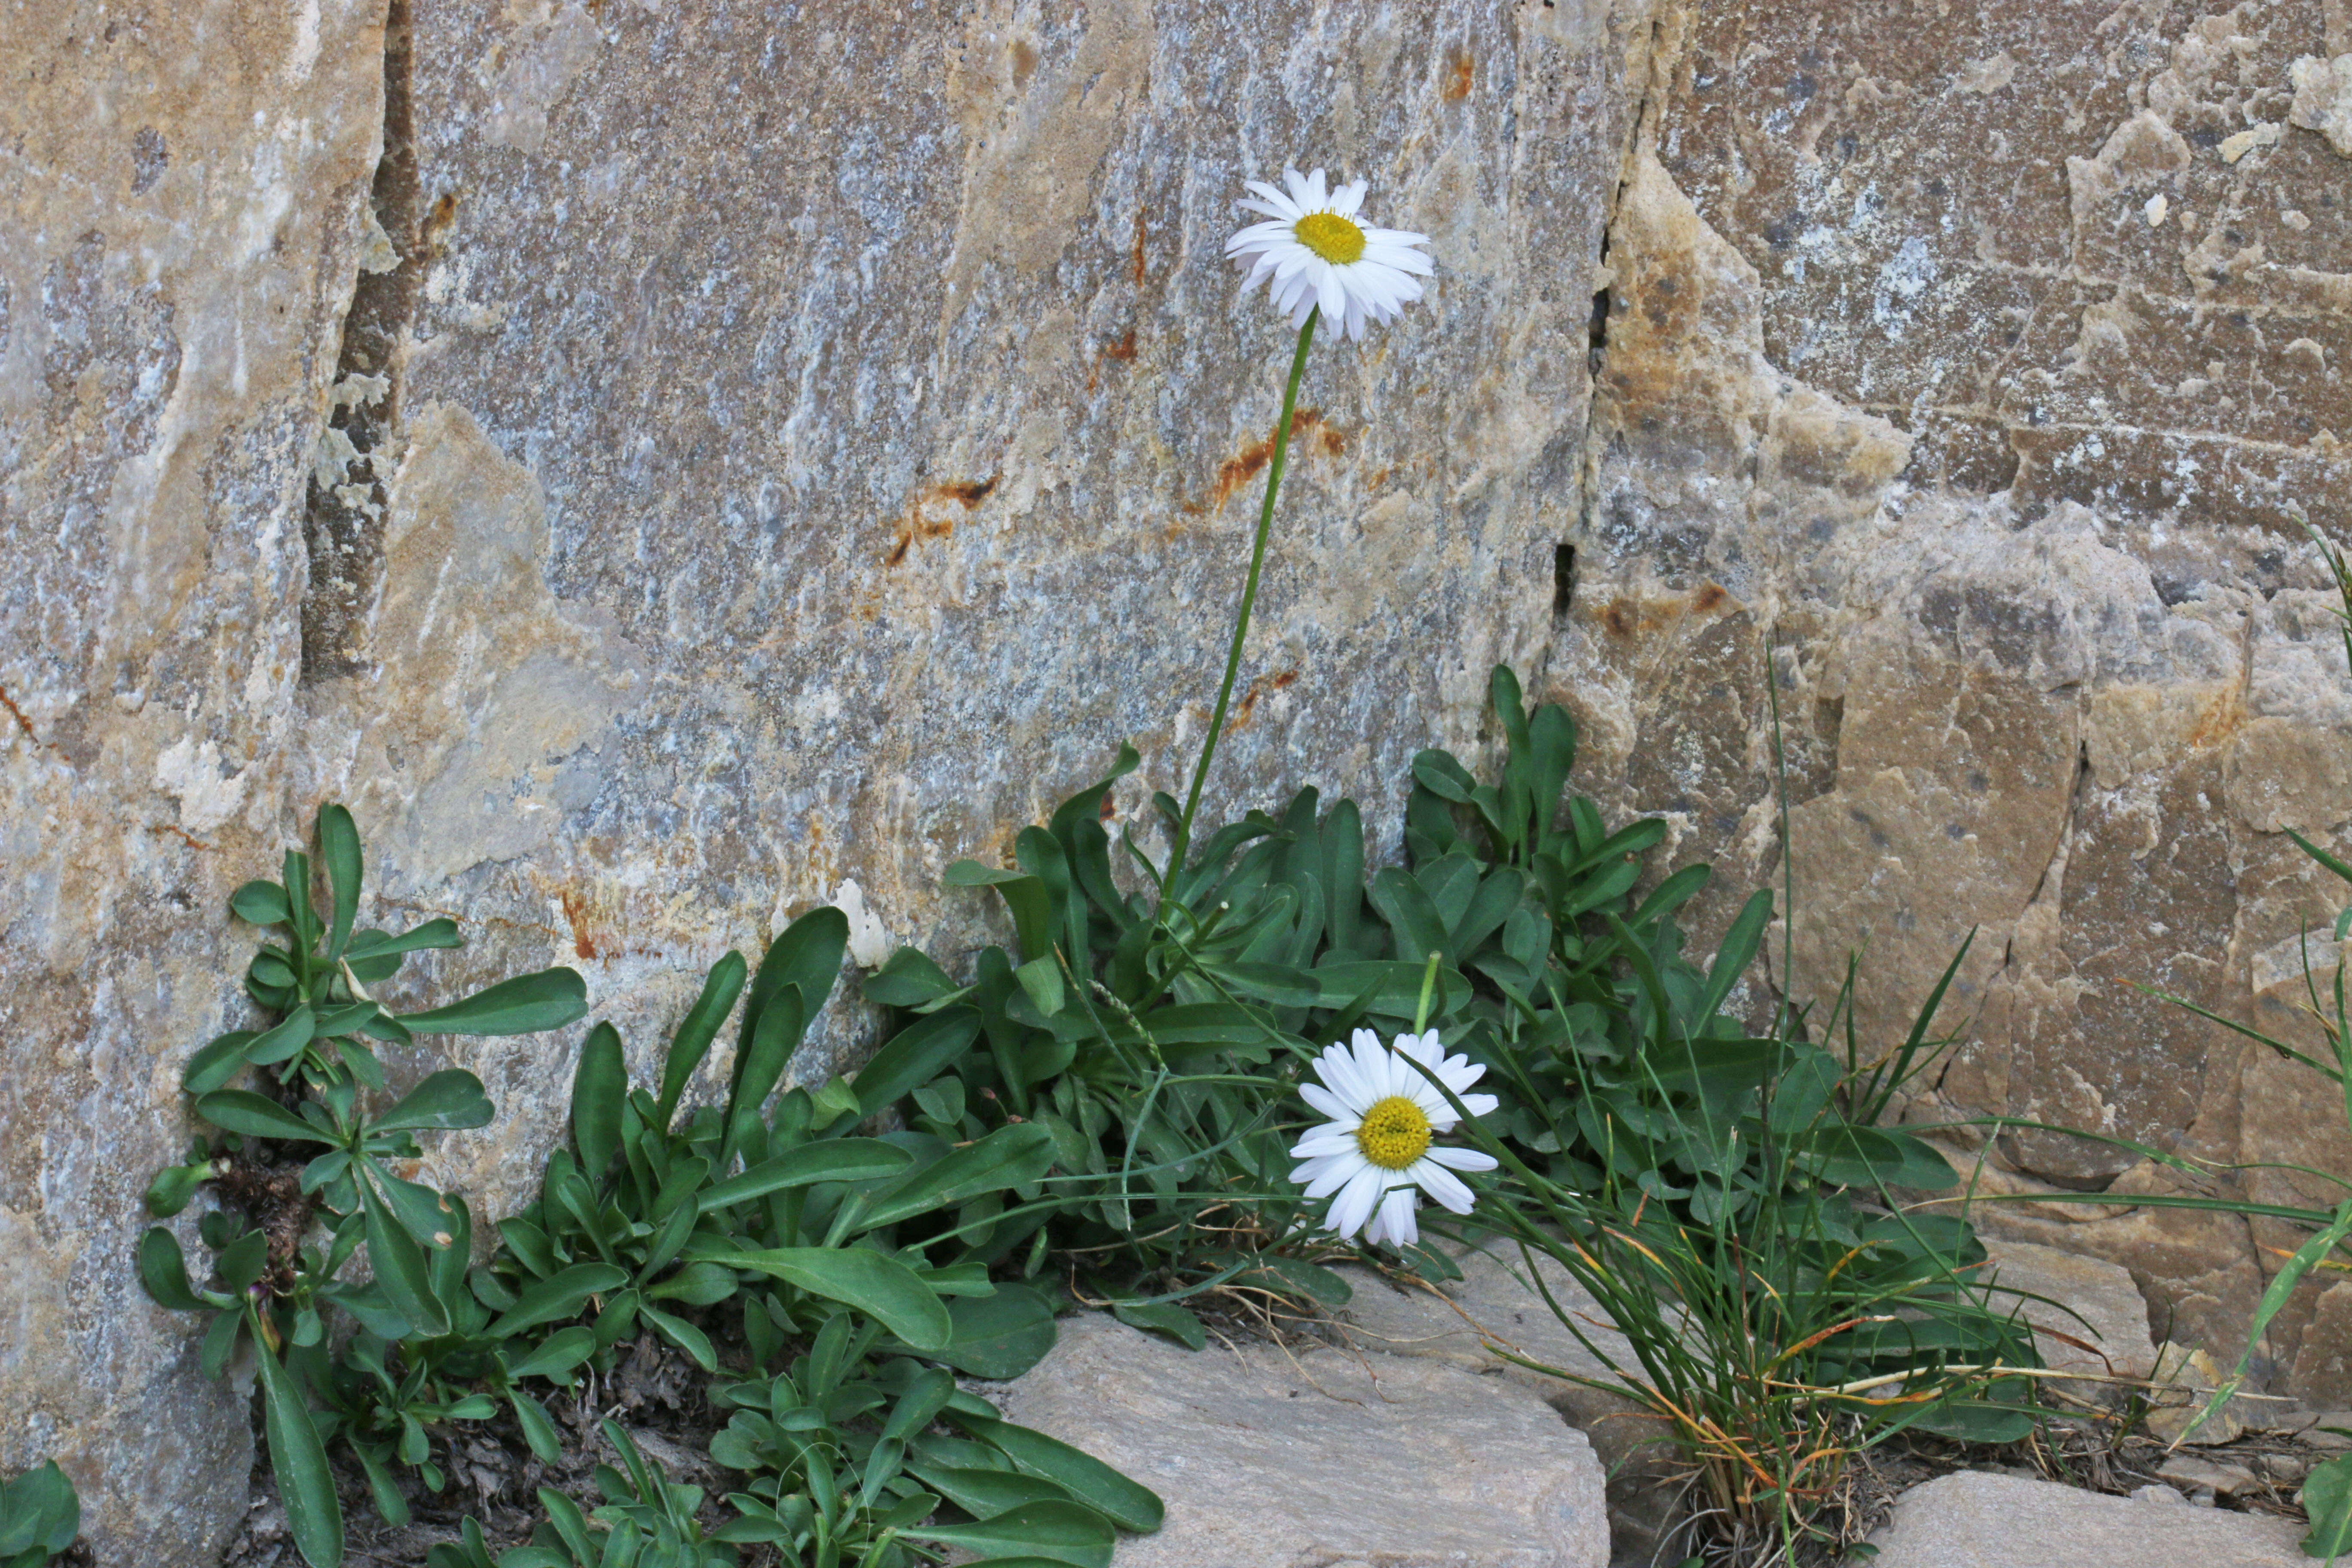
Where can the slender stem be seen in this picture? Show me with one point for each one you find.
(1249, 600)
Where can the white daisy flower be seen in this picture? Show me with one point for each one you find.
(1317, 253)
(1375, 1151)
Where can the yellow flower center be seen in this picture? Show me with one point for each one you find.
(1330, 237)
(1394, 1133)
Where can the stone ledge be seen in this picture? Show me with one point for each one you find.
(1271, 1460)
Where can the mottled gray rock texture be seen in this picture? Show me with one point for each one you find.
(1975, 1521)
(1982, 367)
(1268, 1459)
(664, 464)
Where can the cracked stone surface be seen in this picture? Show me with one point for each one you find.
(666, 465)
(1981, 371)
(1270, 1460)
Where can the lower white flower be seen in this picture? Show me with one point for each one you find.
(1376, 1152)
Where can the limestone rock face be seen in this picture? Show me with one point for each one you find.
(667, 465)
(1978, 373)
(1330, 1457)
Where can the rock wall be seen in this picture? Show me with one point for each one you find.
(667, 465)
(1978, 370)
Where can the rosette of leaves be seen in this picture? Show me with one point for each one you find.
(391, 1388)
(646, 1521)
(851, 1460)
(40, 1515)
(689, 1207)
(306, 1169)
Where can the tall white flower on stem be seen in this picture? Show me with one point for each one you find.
(1376, 1153)
(1318, 254)
(1325, 265)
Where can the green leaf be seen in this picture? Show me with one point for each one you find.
(683, 1335)
(526, 1004)
(834, 1160)
(561, 1295)
(38, 1513)
(338, 847)
(909, 980)
(1412, 918)
(915, 1055)
(1042, 979)
(1088, 1479)
(449, 1098)
(400, 1269)
(175, 1186)
(1023, 895)
(1056, 1530)
(983, 1493)
(1164, 1317)
(539, 1430)
(558, 1353)
(257, 1116)
(163, 1270)
(1000, 1336)
(299, 1460)
(692, 1039)
(806, 953)
(285, 1041)
(218, 1062)
(761, 1063)
(882, 1288)
(600, 1088)
(1395, 988)
(2327, 1500)
(439, 932)
(261, 904)
(1007, 1157)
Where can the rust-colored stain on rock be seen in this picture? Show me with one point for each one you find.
(1239, 470)
(1135, 268)
(575, 915)
(1457, 78)
(918, 524)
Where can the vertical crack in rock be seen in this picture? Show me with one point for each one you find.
(343, 517)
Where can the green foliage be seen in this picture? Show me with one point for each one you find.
(2327, 1500)
(656, 1216)
(845, 1461)
(39, 1517)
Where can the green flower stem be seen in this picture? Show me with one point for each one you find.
(1249, 600)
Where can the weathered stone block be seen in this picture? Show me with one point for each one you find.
(1267, 1459)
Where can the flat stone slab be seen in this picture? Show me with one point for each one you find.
(1976, 1520)
(1493, 1303)
(2096, 1302)
(1329, 1459)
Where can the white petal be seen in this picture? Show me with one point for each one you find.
(1325, 1102)
(1398, 237)
(1331, 296)
(1348, 198)
(1321, 1143)
(1395, 1224)
(1322, 192)
(1354, 1204)
(1333, 1174)
(1338, 1069)
(1460, 1159)
(1442, 1184)
(1272, 198)
(1300, 190)
(1479, 1104)
(1372, 1064)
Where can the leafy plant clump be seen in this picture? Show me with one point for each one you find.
(653, 1219)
